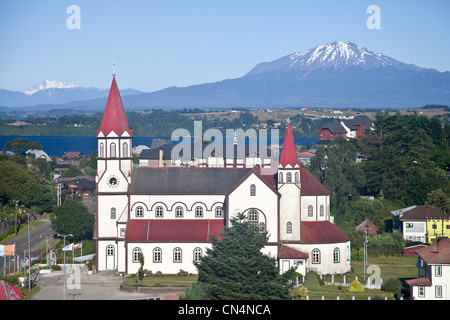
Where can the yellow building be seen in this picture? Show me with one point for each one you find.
(437, 228)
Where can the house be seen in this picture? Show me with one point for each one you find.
(411, 248)
(350, 128)
(168, 213)
(39, 154)
(420, 223)
(71, 155)
(367, 226)
(433, 272)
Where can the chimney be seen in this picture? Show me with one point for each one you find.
(161, 161)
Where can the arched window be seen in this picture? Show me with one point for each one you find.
(252, 190)
(179, 212)
(289, 227)
(159, 212)
(315, 256)
(280, 177)
(199, 212)
(197, 254)
(102, 150)
(125, 150)
(310, 211)
(289, 177)
(297, 177)
(157, 255)
(139, 211)
(219, 211)
(321, 211)
(253, 216)
(136, 253)
(336, 255)
(177, 255)
(112, 147)
(113, 213)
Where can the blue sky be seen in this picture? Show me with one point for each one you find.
(158, 44)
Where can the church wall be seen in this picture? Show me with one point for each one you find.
(167, 264)
(289, 211)
(315, 202)
(265, 200)
(106, 225)
(169, 203)
(327, 265)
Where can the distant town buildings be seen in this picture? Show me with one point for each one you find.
(349, 128)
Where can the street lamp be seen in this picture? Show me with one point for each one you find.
(64, 237)
(29, 252)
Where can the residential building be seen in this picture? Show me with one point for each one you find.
(433, 272)
(350, 128)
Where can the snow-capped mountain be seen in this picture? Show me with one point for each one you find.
(49, 84)
(337, 55)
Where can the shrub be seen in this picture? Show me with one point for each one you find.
(392, 284)
(355, 286)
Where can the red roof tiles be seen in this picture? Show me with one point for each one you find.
(114, 117)
(322, 232)
(437, 253)
(285, 252)
(289, 153)
(310, 185)
(173, 230)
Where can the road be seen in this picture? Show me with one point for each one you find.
(38, 235)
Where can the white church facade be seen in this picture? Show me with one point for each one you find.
(169, 213)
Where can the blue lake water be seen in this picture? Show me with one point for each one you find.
(59, 145)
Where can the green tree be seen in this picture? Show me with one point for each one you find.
(236, 269)
(74, 218)
(439, 199)
(22, 144)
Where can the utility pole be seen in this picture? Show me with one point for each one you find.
(64, 237)
(29, 252)
(15, 220)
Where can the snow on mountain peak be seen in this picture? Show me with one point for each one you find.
(49, 84)
(335, 55)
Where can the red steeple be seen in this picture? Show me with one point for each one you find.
(114, 117)
(289, 153)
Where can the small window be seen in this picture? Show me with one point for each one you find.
(421, 291)
(316, 256)
(289, 227)
(438, 271)
(179, 212)
(102, 150)
(197, 254)
(159, 212)
(136, 254)
(252, 190)
(321, 211)
(157, 255)
(219, 212)
(112, 150)
(113, 213)
(177, 255)
(281, 177)
(438, 291)
(336, 255)
(110, 250)
(297, 177)
(310, 211)
(199, 212)
(125, 150)
(122, 232)
(289, 177)
(139, 211)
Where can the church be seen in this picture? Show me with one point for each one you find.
(170, 213)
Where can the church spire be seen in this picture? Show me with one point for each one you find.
(289, 153)
(114, 117)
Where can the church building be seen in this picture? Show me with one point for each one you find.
(169, 213)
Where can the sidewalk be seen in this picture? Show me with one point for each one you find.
(83, 286)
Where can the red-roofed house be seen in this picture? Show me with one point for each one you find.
(434, 272)
(170, 213)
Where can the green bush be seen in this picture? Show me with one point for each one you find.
(392, 284)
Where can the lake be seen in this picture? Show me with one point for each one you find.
(59, 145)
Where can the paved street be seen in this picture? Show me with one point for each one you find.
(98, 286)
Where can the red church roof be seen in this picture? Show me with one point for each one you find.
(114, 117)
(310, 185)
(322, 232)
(289, 153)
(286, 252)
(147, 230)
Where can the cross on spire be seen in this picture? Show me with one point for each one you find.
(114, 69)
